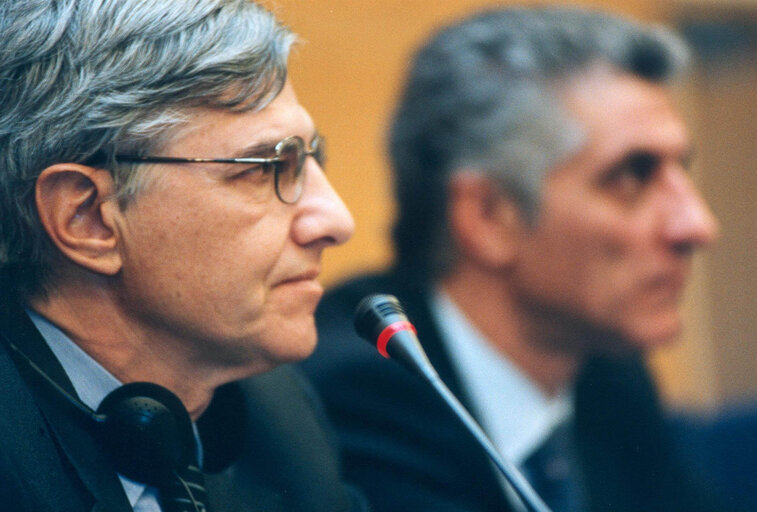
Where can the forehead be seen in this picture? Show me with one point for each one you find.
(224, 133)
(621, 113)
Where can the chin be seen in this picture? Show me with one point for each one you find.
(294, 346)
(302, 353)
(657, 335)
(641, 336)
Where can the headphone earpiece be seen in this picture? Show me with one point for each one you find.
(146, 432)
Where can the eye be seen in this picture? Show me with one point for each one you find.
(253, 172)
(629, 178)
(638, 166)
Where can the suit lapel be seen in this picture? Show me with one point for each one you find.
(71, 430)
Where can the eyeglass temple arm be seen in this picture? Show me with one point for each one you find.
(180, 160)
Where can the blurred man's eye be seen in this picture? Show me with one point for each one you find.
(628, 179)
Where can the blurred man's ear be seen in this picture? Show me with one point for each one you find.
(486, 223)
(76, 206)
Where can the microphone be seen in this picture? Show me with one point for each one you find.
(380, 320)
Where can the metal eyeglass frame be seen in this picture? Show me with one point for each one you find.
(316, 150)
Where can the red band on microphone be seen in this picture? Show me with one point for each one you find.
(389, 331)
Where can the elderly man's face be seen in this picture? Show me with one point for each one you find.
(227, 274)
(610, 251)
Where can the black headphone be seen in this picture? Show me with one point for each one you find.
(144, 429)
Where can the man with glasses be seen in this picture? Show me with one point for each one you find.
(545, 229)
(164, 211)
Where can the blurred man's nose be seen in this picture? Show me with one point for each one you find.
(689, 222)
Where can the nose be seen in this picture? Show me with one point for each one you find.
(689, 222)
(322, 218)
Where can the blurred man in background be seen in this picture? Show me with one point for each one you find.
(544, 238)
(164, 212)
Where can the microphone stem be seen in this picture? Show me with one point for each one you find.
(380, 319)
(520, 485)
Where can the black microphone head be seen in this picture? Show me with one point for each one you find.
(374, 313)
(381, 320)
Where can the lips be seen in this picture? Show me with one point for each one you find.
(307, 276)
(669, 286)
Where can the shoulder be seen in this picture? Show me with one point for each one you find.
(284, 455)
(32, 470)
(17, 422)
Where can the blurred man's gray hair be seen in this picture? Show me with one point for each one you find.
(483, 94)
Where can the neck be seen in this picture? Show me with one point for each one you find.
(514, 331)
(90, 316)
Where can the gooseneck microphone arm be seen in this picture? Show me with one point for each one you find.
(380, 319)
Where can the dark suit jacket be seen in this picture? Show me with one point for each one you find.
(50, 461)
(407, 452)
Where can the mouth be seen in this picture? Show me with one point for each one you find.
(670, 285)
(307, 277)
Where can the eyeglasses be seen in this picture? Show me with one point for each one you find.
(287, 164)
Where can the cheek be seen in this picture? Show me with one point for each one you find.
(582, 260)
(208, 262)
(607, 269)
(288, 324)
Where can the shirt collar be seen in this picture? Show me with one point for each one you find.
(512, 409)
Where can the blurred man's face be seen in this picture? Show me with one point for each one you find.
(214, 262)
(610, 252)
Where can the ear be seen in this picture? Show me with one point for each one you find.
(486, 223)
(76, 206)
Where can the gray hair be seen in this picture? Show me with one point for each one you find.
(483, 94)
(84, 80)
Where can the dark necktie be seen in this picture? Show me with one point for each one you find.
(553, 472)
(185, 492)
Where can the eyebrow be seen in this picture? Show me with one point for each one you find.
(261, 148)
(256, 150)
(684, 158)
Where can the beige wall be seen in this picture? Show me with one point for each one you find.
(347, 73)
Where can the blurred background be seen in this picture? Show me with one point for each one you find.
(349, 68)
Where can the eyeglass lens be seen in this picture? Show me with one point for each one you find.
(289, 175)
